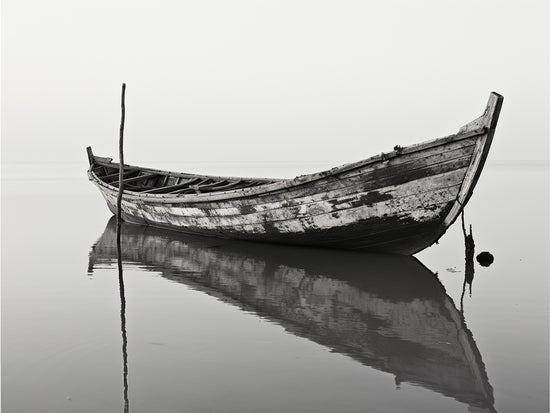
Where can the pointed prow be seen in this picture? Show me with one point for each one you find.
(490, 116)
(492, 111)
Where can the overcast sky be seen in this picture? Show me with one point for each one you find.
(267, 81)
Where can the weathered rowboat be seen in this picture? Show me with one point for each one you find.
(398, 202)
(389, 313)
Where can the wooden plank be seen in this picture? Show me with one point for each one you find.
(240, 214)
(289, 222)
(215, 187)
(259, 218)
(437, 145)
(116, 174)
(194, 188)
(371, 179)
(209, 186)
(304, 198)
(346, 213)
(343, 175)
(213, 184)
(424, 146)
(227, 186)
(133, 179)
(171, 188)
(395, 167)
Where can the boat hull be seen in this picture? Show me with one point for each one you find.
(400, 202)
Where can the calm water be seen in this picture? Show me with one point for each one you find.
(204, 325)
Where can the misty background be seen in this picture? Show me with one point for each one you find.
(233, 87)
(257, 88)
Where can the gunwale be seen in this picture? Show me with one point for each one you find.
(279, 184)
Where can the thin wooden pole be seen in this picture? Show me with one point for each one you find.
(119, 256)
(121, 154)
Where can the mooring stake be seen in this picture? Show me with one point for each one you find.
(469, 246)
(119, 255)
(121, 156)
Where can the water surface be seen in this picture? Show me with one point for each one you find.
(218, 326)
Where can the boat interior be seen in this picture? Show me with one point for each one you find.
(147, 181)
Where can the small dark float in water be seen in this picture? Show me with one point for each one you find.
(485, 258)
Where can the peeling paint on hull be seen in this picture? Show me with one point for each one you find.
(400, 202)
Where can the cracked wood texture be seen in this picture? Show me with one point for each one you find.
(398, 202)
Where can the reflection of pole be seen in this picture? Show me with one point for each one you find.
(123, 323)
(119, 258)
(469, 247)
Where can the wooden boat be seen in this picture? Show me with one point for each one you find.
(398, 202)
(387, 312)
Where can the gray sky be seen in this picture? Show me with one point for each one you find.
(330, 81)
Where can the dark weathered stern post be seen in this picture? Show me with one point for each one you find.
(90, 156)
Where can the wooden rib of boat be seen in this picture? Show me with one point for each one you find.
(398, 202)
(387, 312)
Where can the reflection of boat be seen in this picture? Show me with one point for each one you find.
(387, 312)
(400, 202)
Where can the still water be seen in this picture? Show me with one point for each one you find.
(203, 325)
